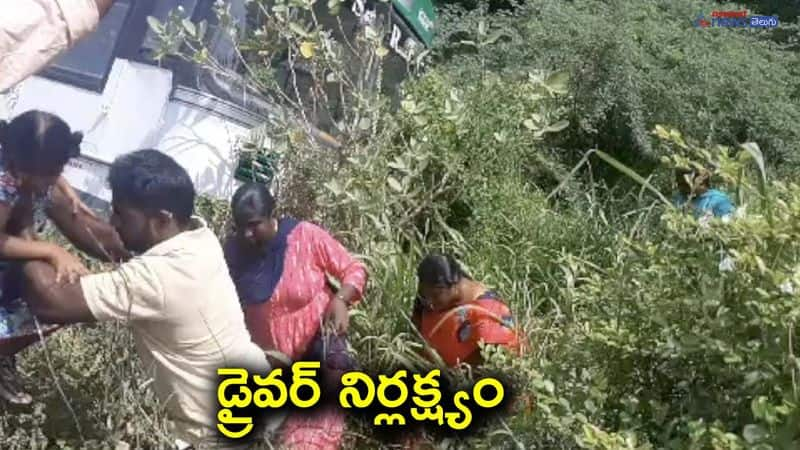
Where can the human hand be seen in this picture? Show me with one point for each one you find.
(66, 265)
(338, 316)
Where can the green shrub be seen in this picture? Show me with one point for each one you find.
(636, 64)
(638, 340)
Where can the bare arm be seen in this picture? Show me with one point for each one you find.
(77, 204)
(89, 234)
(13, 247)
(51, 301)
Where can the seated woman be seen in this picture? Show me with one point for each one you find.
(280, 268)
(694, 189)
(454, 313)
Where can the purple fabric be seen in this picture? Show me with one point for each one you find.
(331, 350)
(335, 360)
(257, 274)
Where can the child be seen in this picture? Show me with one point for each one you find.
(695, 187)
(34, 147)
(455, 313)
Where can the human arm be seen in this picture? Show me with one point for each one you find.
(17, 241)
(334, 259)
(34, 32)
(337, 312)
(63, 186)
(89, 234)
(52, 301)
(129, 292)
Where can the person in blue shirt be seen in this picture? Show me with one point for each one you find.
(695, 187)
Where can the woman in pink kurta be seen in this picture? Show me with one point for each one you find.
(281, 269)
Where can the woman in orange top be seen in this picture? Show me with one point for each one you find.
(455, 313)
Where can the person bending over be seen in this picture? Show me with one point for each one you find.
(454, 313)
(175, 293)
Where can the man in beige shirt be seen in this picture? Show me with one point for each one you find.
(34, 32)
(177, 294)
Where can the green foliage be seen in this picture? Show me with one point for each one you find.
(638, 64)
(648, 328)
(688, 341)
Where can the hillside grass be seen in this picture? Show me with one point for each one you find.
(639, 339)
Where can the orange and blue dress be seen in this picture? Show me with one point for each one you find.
(456, 332)
(285, 292)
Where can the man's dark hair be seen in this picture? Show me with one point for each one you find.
(440, 271)
(252, 201)
(152, 181)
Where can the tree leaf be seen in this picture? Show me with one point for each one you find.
(528, 123)
(754, 433)
(759, 406)
(557, 82)
(188, 25)
(394, 184)
(298, 29)
(201, 30)
(398, 164)
(661, 132)
(155, 25)
(556, 127)
(307, 49)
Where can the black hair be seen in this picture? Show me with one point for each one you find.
(692, 174)
(38, 143)
(252, 201)
(152, 181)
(440, 271)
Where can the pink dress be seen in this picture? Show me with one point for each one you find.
(289, 320)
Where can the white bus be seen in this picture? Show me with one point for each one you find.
(109, 87)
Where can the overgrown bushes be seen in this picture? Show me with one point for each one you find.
(638, 64)
(640, 337)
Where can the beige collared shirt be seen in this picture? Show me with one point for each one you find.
(33, 32)
(186, 319)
